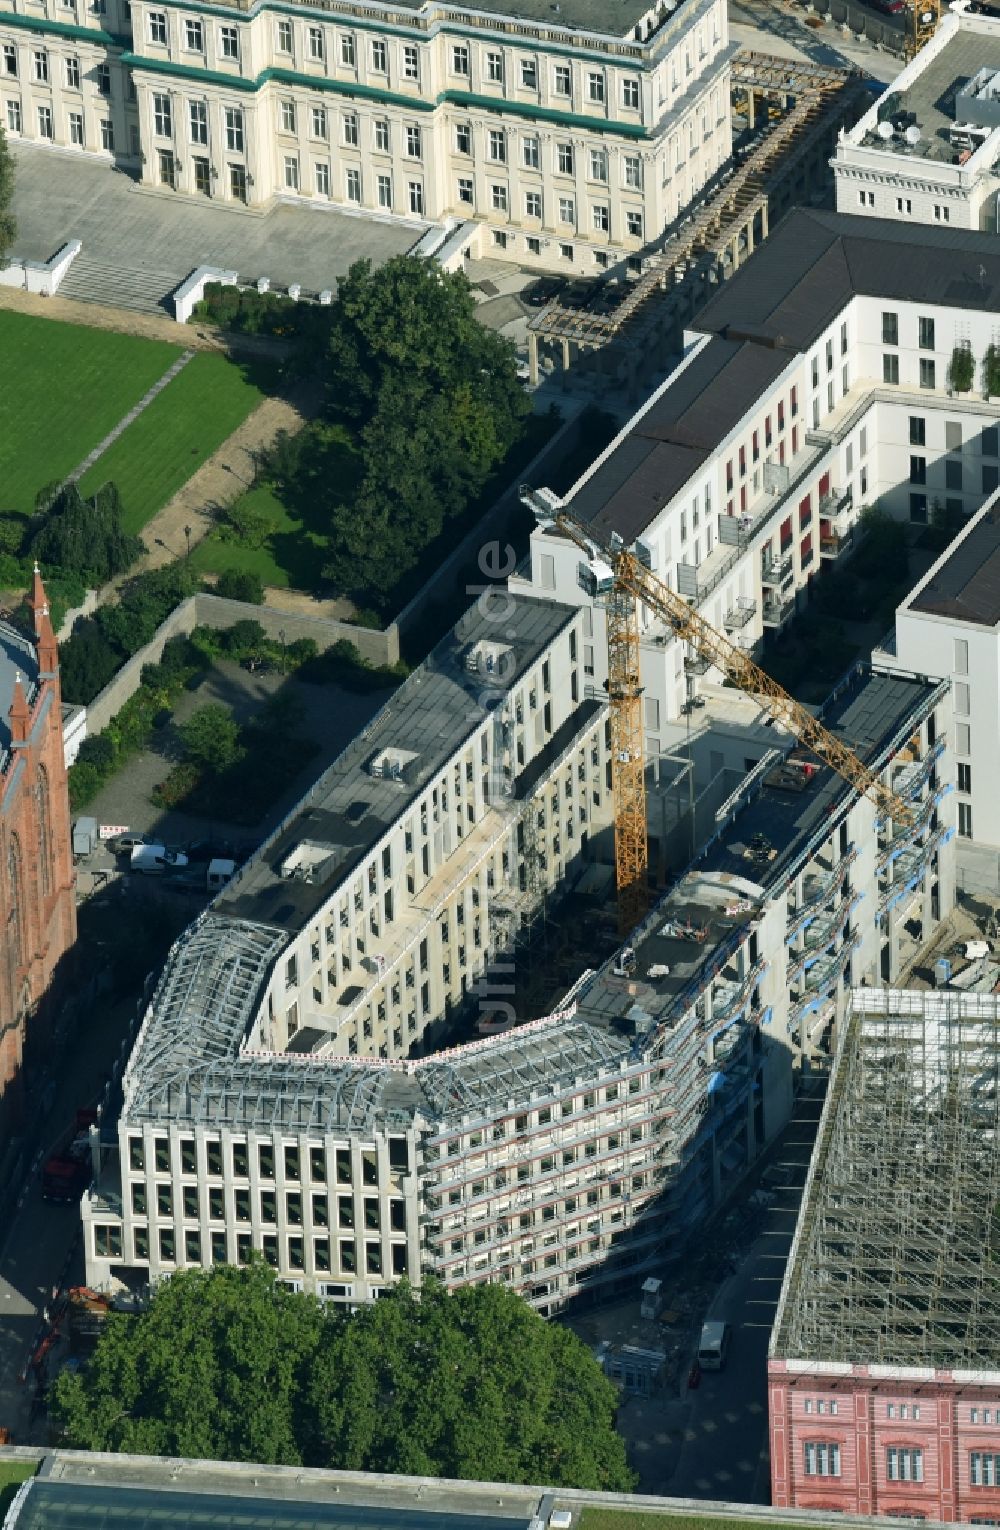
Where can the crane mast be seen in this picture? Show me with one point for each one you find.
(633, 584)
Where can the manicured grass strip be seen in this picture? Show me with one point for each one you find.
(63, 388)
(12, 1474)
(626, 1519)
(171, 439)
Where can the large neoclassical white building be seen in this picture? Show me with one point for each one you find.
(571, 134)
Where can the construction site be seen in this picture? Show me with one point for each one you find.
(889, 1318)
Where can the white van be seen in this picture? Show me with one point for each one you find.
(714, 1346)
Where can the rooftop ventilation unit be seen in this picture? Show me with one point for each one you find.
(392, 764)
(308, 860)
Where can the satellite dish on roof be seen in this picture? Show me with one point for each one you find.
(912, 135)
(884, 131)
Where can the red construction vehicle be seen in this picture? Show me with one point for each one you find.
(66, 1175)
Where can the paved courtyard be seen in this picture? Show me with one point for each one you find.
(138, 244)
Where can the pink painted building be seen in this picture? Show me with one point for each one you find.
(884, 1370)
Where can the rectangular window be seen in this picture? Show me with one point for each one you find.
(533, 204)
(925, 334)
(463, 138)
(348, 54)
(960, 659)
(564, 154)
(890, 368)
(498, 146)
(460, 59)
(494, 68)
(529, 74)
(322, 178)
(283, 37)
(317, 49)
(349, 129)
(288, 126)
(530, 153)
(104, 79)
(198, 118)
(380, 135)
(352, 185)
(633, 225)
(45, 122)
(918, 509)
(821, 1458)
(107, 136)
(598, 165)
(918, 430)
(383, 188)
(632, 171)
(953, 477)
(918, 469)
(904, 1465)
(75, 121)
(963, 698)
(317, 121)
(157, 21)
(984, 1468)
(411, 65)
(194, 36)
(167, 1245)
(630, 95)
(595, 88)
(10, 66)
(890, 329)
(73, 72)
(234, 129)
(380, 57)
(927, 373)
(965, 820)
(498, 197)
(562, 80)
(602, 217)
(414, 143)
(229, 42)
(41, 66)
(567, 211)
(965, 777)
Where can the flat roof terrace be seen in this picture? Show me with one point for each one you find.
(931, 97)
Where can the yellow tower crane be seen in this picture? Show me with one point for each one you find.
(921, 24)
(626, 584)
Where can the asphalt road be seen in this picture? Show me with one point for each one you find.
(41, 1241)
(724, 1449)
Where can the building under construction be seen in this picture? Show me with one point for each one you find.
(885, 1358)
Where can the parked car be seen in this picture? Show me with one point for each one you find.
(543, 290)
(156, 860)
(889, 7)
(124, 844)
(208, 849)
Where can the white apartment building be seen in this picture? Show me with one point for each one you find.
(573, 143)
(927, 150)
(949, 625)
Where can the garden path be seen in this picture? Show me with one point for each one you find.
(133, 414)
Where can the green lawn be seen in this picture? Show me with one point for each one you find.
(12, 1474)
(171, 439)
(63, 387)
(295, 551)
(627, 1519)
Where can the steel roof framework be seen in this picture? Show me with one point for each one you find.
(896, 1255)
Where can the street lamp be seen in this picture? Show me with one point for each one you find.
(281, 639)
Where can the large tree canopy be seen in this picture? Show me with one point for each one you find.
(435, 401)
(229, 1365)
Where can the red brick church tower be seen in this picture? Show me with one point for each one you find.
(37, 904)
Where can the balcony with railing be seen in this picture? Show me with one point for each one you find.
(777, 573)
(775, 612)
(740, 614)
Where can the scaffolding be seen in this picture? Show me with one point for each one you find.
(895, 1256)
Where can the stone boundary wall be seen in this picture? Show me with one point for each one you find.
(43, 276)
(204, 610)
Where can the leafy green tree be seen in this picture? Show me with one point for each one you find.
(97, 750)
(87, 537)
(86, 662)
(12, 529)
(8, 223)
(216, 1369)
(228, 1365)
(240, 584)
(211, 738)
(472, 1384)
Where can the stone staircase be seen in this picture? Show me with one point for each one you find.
(96, 281)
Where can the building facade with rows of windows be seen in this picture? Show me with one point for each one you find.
(883, 1381)
(571, 145)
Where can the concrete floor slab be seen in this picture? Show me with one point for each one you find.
(128, 228)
